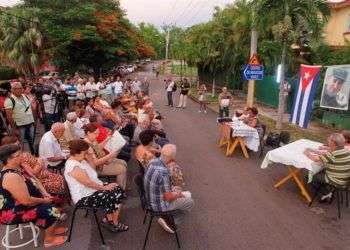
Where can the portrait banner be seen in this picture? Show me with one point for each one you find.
(336, 88)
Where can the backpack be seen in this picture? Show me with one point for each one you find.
(14, 102)
(276, 140)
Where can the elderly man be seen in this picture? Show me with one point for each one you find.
(50, 149)
(71, 132)
(158, 189)
(19, 114)
(225, 100)
(335, 162)
(332, 96)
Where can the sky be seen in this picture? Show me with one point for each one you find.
(158, 12)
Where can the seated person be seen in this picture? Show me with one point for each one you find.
(105, 164)
(89, 110)
(87, 190)
(26, 200)
(335, 163)
(252, 119)
(142, 125)
(49, 148)
(53, 183)
(70, 131)
(346, 135)
(243, 115)
(148, 150)
(159, 192)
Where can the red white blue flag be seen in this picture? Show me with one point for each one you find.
(302, 107)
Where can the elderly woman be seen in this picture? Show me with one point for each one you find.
(105, 164)
(53, 183)
(87, 190)
(252, 119)
(148, 150)
(25, 200)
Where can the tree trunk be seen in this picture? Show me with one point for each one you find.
(213, 87)
(281, 97)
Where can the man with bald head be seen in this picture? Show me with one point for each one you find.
(19, 114)
(159, 192)
(50, 149)
(335, 163)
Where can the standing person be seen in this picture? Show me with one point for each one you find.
(169, 86)
(136, 86)
(72, 92)
(50, 109)
(118, 87)
(185, 88)
(90, 88)
(201, 98)
(80, 90)
(109, 97)
(225, 99)
(145, 86)
(19, 114)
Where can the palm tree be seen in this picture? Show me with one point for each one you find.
(21, 40)
(286, 19)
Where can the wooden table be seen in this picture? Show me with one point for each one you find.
(292, 156)
(231, 142)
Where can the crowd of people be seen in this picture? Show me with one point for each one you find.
(102, 126)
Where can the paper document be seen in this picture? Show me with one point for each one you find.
(115, 143)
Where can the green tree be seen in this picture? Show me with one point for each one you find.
(21, 40)
(286, 19)
(152, 36)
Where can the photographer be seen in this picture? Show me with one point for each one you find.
(19, 114)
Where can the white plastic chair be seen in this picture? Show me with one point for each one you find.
(6, 239)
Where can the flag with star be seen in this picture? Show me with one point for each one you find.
(302, 107)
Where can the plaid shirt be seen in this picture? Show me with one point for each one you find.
(156, 183)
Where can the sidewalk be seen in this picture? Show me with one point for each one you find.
(268, 116)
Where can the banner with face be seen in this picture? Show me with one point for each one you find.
(336, 88)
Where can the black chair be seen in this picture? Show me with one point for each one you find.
(338, 196)
(87, 209)
(138, 179)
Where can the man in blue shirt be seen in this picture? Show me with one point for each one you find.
(158, 188)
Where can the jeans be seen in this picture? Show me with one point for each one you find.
(224, 112)
(27, 133)
(170, 98)
(183, 206)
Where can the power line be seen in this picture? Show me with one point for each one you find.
(195, 14)
(170, 14)
(181, 15)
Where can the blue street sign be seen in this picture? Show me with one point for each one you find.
(253, 72)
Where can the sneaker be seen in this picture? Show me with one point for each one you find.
(199, 111)
(165, 226)
(205, 112)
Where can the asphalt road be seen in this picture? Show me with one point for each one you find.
(236, 204)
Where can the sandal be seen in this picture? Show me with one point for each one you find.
(120, 227)
(56, 241)
(60, 230)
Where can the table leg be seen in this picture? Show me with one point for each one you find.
(243, 147)
(232, 146)
(294, 174)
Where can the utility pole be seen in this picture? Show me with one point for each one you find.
(253, 50)
(167, 44)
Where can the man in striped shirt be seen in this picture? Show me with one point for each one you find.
(335, 162)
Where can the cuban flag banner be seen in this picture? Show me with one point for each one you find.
(302, 107)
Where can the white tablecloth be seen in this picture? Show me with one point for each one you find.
(250, 135)
(293, 155)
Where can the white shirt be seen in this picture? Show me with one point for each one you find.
(136, 86)
(118, 87)
(49, 104)
(76, 189)
(78, 128)
(89, 87)
(49, 147)
(81, 90)
(170, 86)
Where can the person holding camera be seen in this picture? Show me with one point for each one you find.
(19, 113)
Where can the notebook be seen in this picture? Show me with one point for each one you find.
(115, 143)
